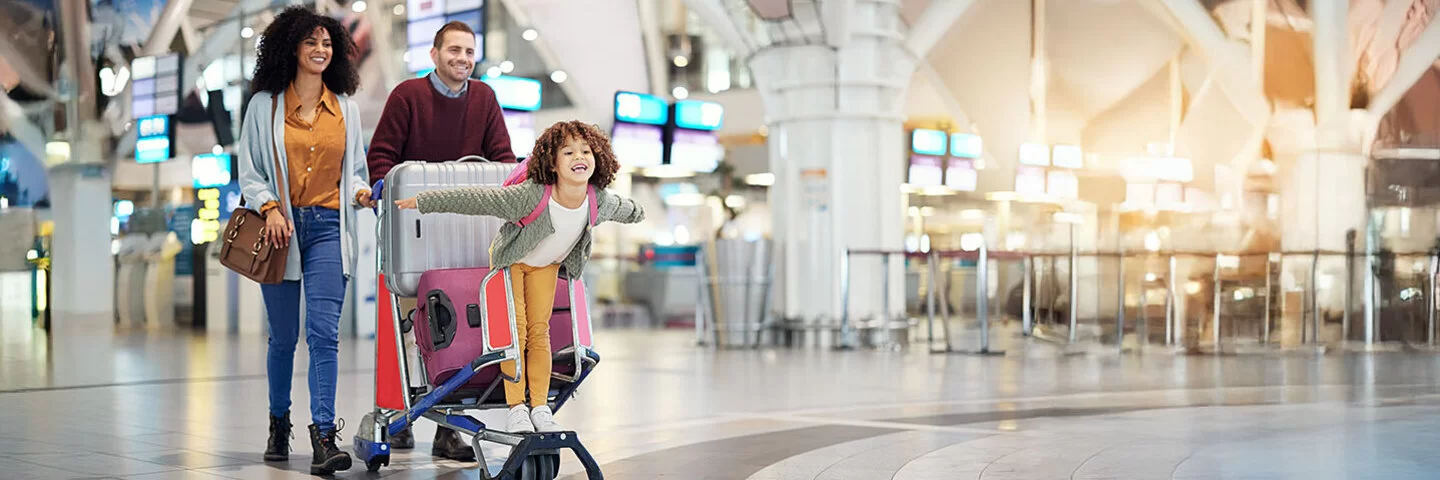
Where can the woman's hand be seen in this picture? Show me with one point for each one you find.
(406, 204)
(278, 228)
(362, 198)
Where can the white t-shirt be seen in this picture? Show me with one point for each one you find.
(569, 223)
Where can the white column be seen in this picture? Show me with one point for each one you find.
(837, 148)
(82, 272)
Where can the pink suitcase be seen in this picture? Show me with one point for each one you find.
(456, 322)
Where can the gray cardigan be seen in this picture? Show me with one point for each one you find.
(515, 202)
(259, 183)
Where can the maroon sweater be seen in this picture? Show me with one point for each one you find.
(420, 124)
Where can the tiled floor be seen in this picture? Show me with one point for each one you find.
(92, 403)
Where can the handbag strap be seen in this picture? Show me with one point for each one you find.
(275, 157)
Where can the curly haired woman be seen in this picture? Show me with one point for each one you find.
(302, 121)
(573, 162)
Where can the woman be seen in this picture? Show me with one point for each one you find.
(302, 114)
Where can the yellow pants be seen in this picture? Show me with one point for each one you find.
(534, 298)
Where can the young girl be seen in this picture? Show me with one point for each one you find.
(572, 157)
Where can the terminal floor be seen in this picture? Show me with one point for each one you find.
(97, 403)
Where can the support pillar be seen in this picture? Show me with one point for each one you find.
(837, 149)
(83, 270)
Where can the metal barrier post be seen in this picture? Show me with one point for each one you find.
(1120, 300)
(1170, 301)
(844, 340)
(1074, 285)
(1315, 298)
(702, 281)
(1215, 315)
(1430, 304)
(1349, 286)
(1142, 329)
(982, 300)
(1269, 293)
(1027, 313)
(930, 259)
(1370, 293)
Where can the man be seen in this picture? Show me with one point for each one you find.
(438, 118)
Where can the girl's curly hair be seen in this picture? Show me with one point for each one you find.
(547, 147)
(276, 64)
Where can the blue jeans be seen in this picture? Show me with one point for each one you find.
(317, 235)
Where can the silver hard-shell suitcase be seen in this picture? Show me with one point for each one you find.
(412, 243)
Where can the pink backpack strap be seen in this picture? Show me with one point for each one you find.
(545, 201)
(594, 206)
(539, 208)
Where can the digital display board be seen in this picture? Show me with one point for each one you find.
(637, 145)
(960, 175)
(1068, 156)
(155, 86)
(515, 93)
(1029, 180)
(1062, 184)
(928, 142)
(966, 145)
(696, 151)
(699, 115)
(210, 170)
(152, 142)
(925, 171)
(521, 126)
(1034, 154)
(641, 108)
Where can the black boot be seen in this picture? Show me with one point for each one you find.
(448, 445)
(328, 458)
(404, 440)
(277, 449)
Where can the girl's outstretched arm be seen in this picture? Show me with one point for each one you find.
(509, 203)
(614, 208)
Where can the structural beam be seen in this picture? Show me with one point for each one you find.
(163, 33)
(714, 15)
(1416, 60)
(934, 22)
(1333, 60)
(653, 37)
(1230, 60)
(220, 40)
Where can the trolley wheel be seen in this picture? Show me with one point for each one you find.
(374, 464)
(549, 466)
(530, 470)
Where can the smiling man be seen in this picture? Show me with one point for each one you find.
(440, 117)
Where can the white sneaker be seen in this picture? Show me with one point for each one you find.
(519, 420)
(544, 420)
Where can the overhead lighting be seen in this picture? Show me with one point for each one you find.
(247, 32)
(680, 93)
(359, 6)
(760, 179)
(507, 66)
(529, 34)
(681, 61)
(735, 201)
(217, 149)
(685, 200)
(493, 72)
(398, 10)
(558, 76)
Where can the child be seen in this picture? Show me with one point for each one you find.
(571, 158)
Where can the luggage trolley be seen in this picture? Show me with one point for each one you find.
(464, 328)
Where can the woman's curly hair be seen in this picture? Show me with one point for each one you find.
(547, 148)
(276, 64)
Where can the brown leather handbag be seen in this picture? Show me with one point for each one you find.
(245, 248)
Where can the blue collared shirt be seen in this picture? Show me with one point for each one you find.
(444, 89)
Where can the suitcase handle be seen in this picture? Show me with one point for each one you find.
(440, 315)
(469, 158)
(472, 315)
